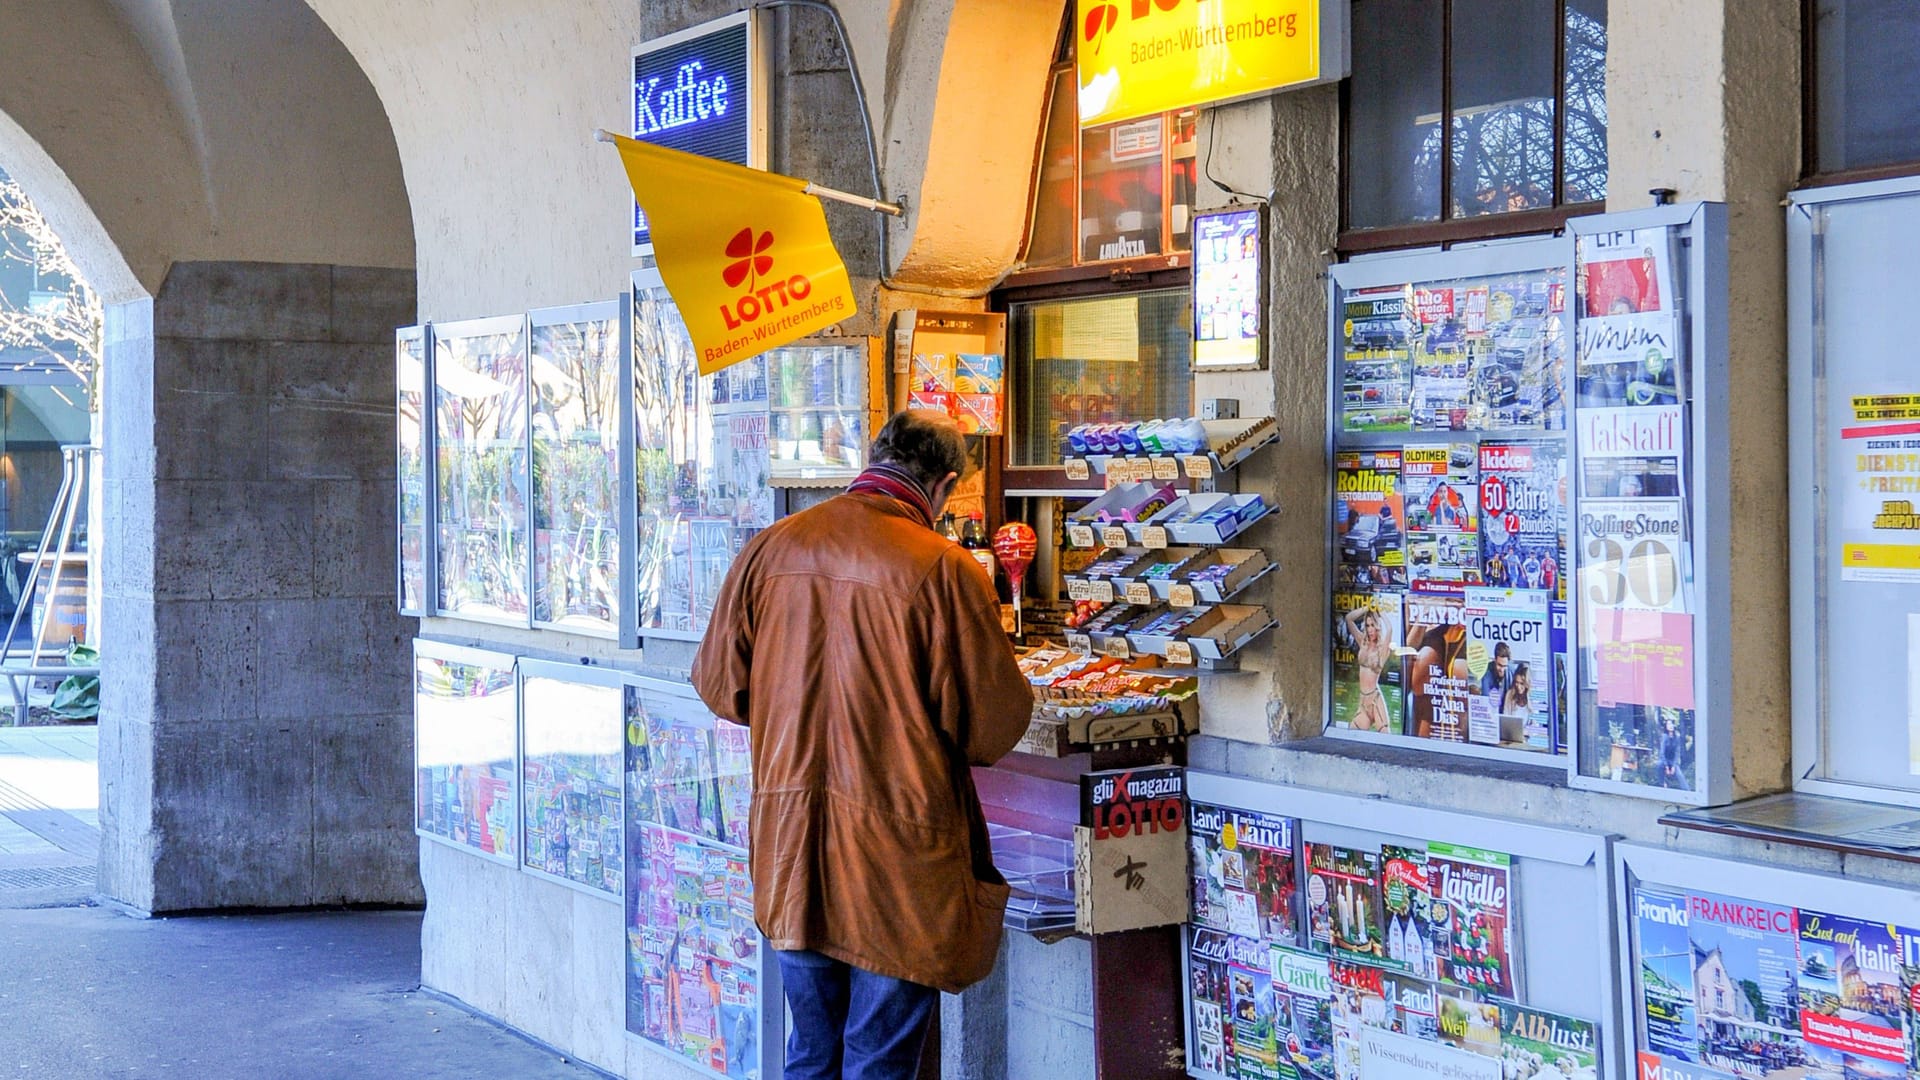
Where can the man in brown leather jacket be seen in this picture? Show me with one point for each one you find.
(865, 653)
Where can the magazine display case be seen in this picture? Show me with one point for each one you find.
(464, 747)
(701, 983)
(571, 765)
(1337, 935)
(480, 478)
(1732, 968)
(574, 372)
(821, 393)
(414, 466)
(701, 466)
(1449, 529)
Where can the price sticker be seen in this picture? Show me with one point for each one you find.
(1101, 591)
(1080, 643)
(1138, 593)
(1182, 596)
(1199, 467)
(1077, 469)
(1119, 648)
(1080, 535)
(1113, 536)
(1166, 468)
(1140, 468)
(1179, 652)
(1079, 590)
(1154, 537)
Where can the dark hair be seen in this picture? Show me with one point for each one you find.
(1501, 649)
(927, 444)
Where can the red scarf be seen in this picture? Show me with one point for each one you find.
(886, 478)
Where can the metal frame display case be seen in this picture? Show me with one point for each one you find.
(701, 985)
(572, 768)
(821, 394)
(1394, 341)
(1653, 572)
(413, 374)
(1851, 430)
(575, 356)
(1682, 917)
(466, 749)
(1558, 887)
(482, 515)
(701, 473)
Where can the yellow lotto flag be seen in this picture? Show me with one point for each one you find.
(745, 253)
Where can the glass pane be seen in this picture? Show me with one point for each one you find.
(463, 716)
(1584, 160)
(571, 766)
(576, 464)
(410, 348)
(700, 446)
(819, 403)
(1121, 189)
(1865, 83)
(1182, 174)
(1393, 114)
(480, 427)
(1503, 106)
(1051, 241)
(1097, 360)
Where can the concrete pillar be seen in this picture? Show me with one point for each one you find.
(256, 735)
(1705, 99)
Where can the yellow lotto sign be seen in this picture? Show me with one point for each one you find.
(744, 253)
(1140, 57)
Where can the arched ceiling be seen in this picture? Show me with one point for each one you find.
(155, 131)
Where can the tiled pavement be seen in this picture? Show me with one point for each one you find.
(49, 815)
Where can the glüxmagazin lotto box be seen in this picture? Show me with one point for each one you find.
(1366, 661)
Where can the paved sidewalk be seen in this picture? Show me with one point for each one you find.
(49, 815)
(89, 994)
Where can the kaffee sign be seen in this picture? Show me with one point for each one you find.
(1140, 57)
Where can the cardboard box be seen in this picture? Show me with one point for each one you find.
(1130, 850)
(1247, 565)
(1182, 527)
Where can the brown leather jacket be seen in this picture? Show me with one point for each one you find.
(865, 653)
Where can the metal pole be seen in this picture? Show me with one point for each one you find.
(895, 209)
(77, 466)
(33, 571)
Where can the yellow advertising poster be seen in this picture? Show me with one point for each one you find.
(1141, 57)
(745, 253)
(1879, 529)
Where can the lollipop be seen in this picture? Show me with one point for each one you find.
(1014, 545)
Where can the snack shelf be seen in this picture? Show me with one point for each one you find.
(1229, 443)
(1211, 642)
(1172, 524)
(1179, 588)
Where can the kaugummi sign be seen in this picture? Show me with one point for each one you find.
(1140, 57)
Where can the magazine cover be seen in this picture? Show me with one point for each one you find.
(1377, 373)
(1523, 520)
(1557, 641)
(1443, 513)
(1547, 1046)
(1250, 993)
(1359, 997)
(1407, 901)
(1435, 675)
(1369, 518)
(1910, 990)
(1303, 1014)
(1663, 954)
(1629, 359)
(1208, 865)
(1366, 664)
(1510, 659)
(1474, 917)
(733, 767)
(1343, 901)
(1850, 997)
(1468, 1023)
(1271, 876)
(1743, 997)
(1414, 1005)
(1210, 996)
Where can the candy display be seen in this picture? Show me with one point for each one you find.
(1014, 545)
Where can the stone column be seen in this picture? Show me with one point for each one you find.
(256, 739)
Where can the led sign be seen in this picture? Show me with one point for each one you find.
(1140, 57)
(694, 91)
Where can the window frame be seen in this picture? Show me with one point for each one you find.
(1811, 175)
(1448, 230)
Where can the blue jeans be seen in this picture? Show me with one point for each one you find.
(850, 1024)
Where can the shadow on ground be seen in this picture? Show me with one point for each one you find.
(89, 993)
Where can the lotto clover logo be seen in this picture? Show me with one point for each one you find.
(750, 258)
(1100, 19)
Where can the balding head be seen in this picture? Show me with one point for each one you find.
(927, 444)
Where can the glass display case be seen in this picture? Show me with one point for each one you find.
(700, 984)
(464, 749)
(571, 762)
(702, 468)
(480, 447)
(574, 376)
(1097, 360)
(819, 392)
(410, 413)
